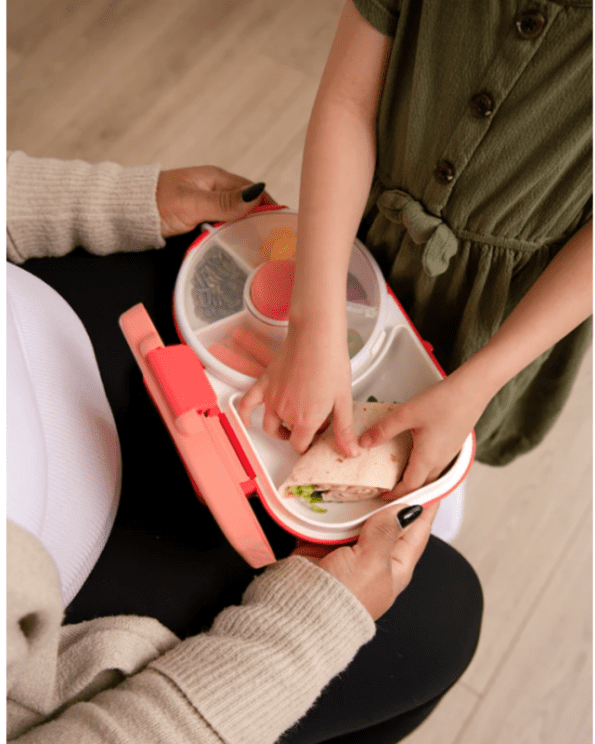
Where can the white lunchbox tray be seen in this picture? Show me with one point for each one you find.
(198, 396)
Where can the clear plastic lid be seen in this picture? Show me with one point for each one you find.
(211, 301)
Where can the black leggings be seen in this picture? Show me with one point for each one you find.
(167, 558)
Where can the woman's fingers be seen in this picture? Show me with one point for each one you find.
(412, 542)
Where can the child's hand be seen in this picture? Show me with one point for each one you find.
(440, 418)
(309, 379)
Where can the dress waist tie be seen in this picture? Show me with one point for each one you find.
(440, 243)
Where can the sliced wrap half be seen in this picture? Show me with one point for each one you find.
(340, 478)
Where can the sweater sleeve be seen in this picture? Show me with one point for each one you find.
(255, 673)
(264, 664)
(54, 206)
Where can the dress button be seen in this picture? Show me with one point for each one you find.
(444, 172)
(482, 105)
(530, 24)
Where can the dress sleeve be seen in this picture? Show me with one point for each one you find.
(54, 206)
(382, 14)
(128, 679)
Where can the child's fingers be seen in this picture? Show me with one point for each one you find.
(302, 435)
(251, 400)
(387, 428)
(274, 426)
(345, 435)
(415, 475)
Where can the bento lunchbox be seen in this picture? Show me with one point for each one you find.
(230, 324)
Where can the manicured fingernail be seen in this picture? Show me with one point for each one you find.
(250, 193)
(408, 515)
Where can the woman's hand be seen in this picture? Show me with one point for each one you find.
(188, 196)
(380, 565)
(440, 418)
(309, 379)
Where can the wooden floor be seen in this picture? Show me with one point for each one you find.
(232, 83)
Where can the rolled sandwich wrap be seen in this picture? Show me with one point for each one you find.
(325, 470)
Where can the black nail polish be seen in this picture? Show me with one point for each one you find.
(408, 515)
(250, 193)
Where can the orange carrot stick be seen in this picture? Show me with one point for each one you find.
(235, 361)
(253, 345)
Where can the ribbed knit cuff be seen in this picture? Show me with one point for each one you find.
(55, 205)
(262, 665)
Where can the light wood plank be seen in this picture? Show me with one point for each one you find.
(13, 59)
(98, 68)
(29, 21)
(303, 34)
(518, 519)
(542, 693)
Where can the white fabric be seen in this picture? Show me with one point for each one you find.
(63, 453)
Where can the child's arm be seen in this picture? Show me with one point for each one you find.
(311, 376)
(442, 416)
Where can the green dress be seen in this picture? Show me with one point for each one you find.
(484, 171)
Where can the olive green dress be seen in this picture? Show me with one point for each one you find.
(484, 171)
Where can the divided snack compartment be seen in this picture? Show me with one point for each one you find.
(211, 296)
(198, 400)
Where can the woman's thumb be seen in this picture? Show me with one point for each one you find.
(380, 533)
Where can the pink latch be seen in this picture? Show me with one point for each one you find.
(183, 380)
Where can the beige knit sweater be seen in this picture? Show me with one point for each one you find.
(129, 679)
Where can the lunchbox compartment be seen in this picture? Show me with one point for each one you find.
(400, 371)
(218, 332)
(406, 369)
(226, 256)
(244, 237)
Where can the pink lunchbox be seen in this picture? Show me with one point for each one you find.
(197, 388)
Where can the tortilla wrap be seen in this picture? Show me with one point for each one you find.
(341, 478)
